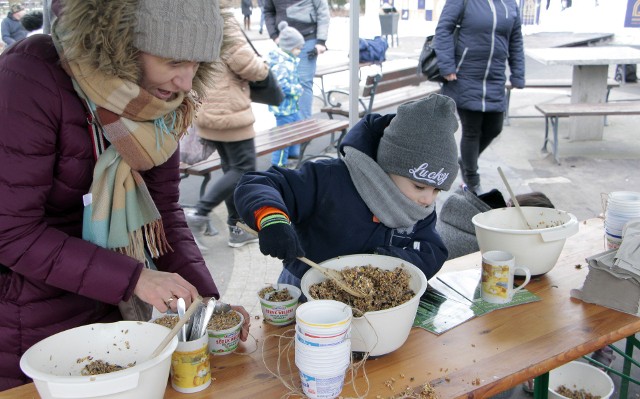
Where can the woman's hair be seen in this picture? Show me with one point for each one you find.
(535, 198)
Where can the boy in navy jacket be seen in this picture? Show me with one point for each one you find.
(378, 198)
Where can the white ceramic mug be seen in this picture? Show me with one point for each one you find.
(498, 269)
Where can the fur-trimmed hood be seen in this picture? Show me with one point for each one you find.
(102, 32)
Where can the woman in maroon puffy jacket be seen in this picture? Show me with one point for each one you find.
(138, 65)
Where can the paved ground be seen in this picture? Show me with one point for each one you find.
(588, 171)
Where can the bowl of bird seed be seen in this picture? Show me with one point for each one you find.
(279, 303)
(224, 332)
(382, 319)
(96, 360)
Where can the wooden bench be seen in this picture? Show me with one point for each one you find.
(547, 84)
(383, 91)
(552, 112)
(323, 70)
(276, 138)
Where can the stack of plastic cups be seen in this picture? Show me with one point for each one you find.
(622, 206)
(323, 347)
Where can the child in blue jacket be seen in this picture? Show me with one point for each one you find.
(283, 61)
(378, 198)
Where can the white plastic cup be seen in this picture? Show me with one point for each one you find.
(323, 318)
(190, 366)
(316, 385)
(580, 375)
(281, 313)
(223, 342)
(322, 340)
(612, 241)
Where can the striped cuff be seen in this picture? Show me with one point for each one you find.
(274, 218)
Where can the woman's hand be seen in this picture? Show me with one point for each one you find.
(160, 289)
(450, 77)
(244, 333)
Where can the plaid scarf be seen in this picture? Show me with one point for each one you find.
(144, 132)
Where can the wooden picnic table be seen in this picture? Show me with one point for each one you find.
(477, 359)
(589, 80)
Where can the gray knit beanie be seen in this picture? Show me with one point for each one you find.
(185, 30)
(289, 37)
(419, 143)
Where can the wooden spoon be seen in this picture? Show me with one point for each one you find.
(331, 274)
(177, 327)
(513, 198)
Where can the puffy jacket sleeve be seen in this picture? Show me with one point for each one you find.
(322, 20)
(427, 251)
(46, 158)
(516, 54)
(241, 58)
(444, 43)
(185, 257)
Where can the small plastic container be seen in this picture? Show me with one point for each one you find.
(226, 341)
(281, 313)
(580, 375)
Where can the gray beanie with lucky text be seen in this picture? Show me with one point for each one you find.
(289, 37)
(419, 142)
(185, 30)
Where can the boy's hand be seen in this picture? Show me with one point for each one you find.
(278, 239)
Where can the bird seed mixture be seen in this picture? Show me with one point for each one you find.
(224, 321)
(101, 367)
(273, 295)
(387, 288)
(168, 321)
(575, 394)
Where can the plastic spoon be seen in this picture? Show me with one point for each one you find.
(194, 305)
(331, 274)
(513, 198)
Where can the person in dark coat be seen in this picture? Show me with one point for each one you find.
(490, 38)
(378, 198)
(85, 208)
(246, 6)
(12, 29)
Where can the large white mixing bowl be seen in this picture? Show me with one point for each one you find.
(539, 248)
(54, 365)
(382, 331)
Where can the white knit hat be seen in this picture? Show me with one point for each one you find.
(289, 37)
(186, 30)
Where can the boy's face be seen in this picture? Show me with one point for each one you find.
(296, 52)
(419, 193)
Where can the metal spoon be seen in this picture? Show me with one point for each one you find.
(182, 307)
(207, 316)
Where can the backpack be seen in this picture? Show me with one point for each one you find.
(373, 50)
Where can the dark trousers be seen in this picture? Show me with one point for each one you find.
(236, 158)
(478, 131)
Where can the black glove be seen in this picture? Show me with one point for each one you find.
(278, 239)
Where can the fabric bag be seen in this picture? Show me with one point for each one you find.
(267, 91)
(194, 149)
(428, 61)
(373, 50)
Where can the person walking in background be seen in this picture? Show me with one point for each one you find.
(89, 216)
(246, 7)
(311, 19)
(12, 29)
(225, 121)
(490, 37)
(261, 6)
(283, 61)
(379, 197)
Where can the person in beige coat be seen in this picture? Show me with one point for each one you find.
(225, 121)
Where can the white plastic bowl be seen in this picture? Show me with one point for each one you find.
(53, 362)
(580, 375)
(539, 248)
(382, 331)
